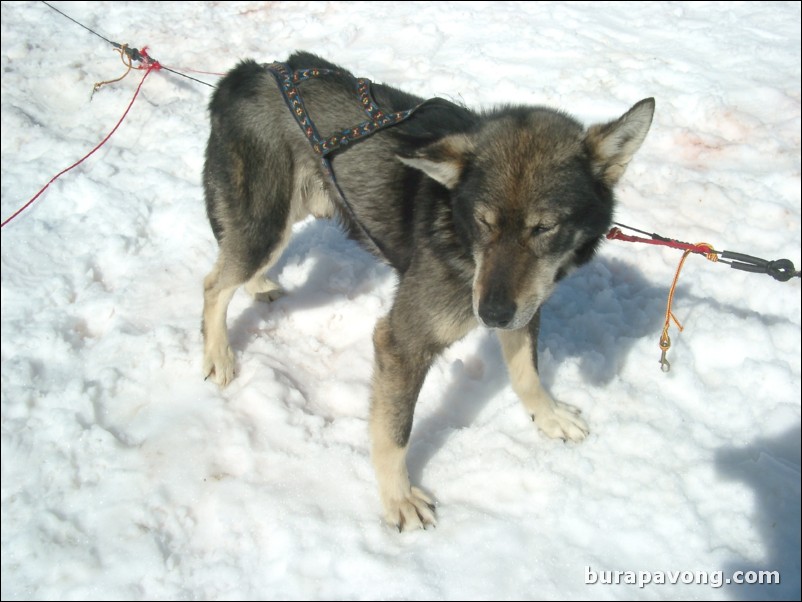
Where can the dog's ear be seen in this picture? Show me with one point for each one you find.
(611, 145)
(444, 160)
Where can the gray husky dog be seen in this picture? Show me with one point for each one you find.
(481, 214)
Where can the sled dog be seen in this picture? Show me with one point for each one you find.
(480, 213)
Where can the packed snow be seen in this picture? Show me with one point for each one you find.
(126, 476)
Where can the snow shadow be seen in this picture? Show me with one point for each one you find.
(771, 468)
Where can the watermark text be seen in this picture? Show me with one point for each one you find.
(712, 578)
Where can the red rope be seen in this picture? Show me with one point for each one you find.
(148, 62)
(617, 234)
(151, 65)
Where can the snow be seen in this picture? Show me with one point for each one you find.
(126, 476)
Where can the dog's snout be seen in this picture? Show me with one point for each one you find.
(496, 312)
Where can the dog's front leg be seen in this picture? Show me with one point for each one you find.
(397, 379)
(556, 419)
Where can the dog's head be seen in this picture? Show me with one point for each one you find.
(532, 197)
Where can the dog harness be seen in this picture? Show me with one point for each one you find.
(288, 81)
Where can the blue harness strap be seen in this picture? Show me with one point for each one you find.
(288, 81)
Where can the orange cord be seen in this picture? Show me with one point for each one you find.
(665, 340)
(123, 56)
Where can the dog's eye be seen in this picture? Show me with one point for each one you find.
(483, 223)
(540, 229)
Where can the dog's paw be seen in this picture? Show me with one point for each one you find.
(269, 296)
(219, 366)
(264, 289)
(562, 422)
(415, 511)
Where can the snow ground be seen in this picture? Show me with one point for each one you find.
(126, 476)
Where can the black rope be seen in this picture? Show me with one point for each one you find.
(781, 270)
(194, 79)
(81, 24)
(132, 53)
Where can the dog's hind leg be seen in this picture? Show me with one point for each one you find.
(558, 420)
(218, 289)
(246, 264)
(254, 225)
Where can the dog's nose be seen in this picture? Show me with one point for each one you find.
(496, 313)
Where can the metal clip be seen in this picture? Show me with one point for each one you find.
(665, 366)
(665, 345)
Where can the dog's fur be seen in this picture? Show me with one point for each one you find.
(480, 214)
